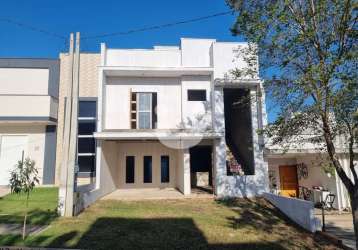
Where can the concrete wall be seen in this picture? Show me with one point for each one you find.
(196, 114)
(30, 107)
(300, 211)
(117, 100)
(24, 81)
(27, 76)
(196, 52)
(88, 88)
(228, 56)
(143, 57)
(246, 185)
(139, 150)
(28, 103)
(35, 148)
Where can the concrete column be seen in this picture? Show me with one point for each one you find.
(220, 166)
(186, 172)
(98, 163)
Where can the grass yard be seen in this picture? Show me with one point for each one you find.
(174, 224)
(42, 207)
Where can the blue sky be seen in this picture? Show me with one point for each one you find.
(106, 16)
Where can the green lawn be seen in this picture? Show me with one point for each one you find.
(42, 207)
(174, 224)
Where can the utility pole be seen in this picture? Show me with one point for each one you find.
(69, 159)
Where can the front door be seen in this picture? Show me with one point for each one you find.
(288, 180)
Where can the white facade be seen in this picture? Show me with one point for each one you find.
(172, 73)
(28, 115)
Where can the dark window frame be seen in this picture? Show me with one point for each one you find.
(166, 178)
(197, 95)
(130, 179)
(147, 169)
(83, 136)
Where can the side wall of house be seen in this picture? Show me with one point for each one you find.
(246, 185)
(88, 88)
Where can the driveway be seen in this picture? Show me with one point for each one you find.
(340, 225)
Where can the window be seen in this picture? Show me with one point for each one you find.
(87, 110)
(130, 166)
(147, 167)
(196, 95)
(143, 110)
(164, 168)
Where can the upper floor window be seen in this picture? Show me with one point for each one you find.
(143, 110)
(86, 150)
(196, 95)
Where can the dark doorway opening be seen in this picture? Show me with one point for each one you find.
(238, 128)
(201, 169)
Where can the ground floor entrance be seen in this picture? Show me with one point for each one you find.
(288, 180)
(151, 165)
(201, 169)
(307, 177)
(146, 165)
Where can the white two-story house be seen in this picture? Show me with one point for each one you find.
(169, 117)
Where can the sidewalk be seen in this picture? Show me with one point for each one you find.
(341, 226)
(4, 191)
(17, 229)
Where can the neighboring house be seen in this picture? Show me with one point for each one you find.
(28, 115)
(171, 117)
(299, 169)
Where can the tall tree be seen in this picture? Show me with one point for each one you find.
(308, 59)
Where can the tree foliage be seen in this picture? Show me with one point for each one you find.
(23, 179)
(308, 59)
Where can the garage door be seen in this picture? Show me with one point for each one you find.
(10, 153)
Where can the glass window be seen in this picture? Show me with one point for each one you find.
(87, 109)
(86, 145)
(196, 95)
(144, 120)
(130, 166)
(86, 128)
(144, 110)
(164, 167)
(147, 167)
(87, 163)
(145, 101)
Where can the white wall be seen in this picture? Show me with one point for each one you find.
(226, 57)
(32, 106)
(117, 98)
(196, 52)
(196, 114)
(238, 186)
(35, 148)
(139, 150)
(142, 57)
(24, 81)
(300, 211)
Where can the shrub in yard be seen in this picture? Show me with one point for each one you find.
(23, 179)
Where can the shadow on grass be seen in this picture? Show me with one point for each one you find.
(35, 217)
(262, 217)
(166, 233)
